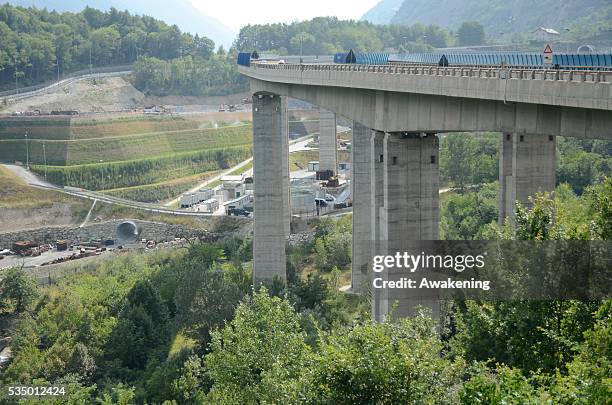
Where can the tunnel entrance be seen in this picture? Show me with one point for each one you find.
(127, 231)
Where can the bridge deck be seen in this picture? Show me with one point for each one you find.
(565, 88)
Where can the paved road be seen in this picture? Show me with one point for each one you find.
(28, 176)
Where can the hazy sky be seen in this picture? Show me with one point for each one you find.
(236, 13)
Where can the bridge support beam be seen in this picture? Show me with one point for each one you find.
(271, 198)
(328, 148)
(410, 211)
(362, 210)
(527, 166)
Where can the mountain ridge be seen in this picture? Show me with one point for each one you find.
(499, 17)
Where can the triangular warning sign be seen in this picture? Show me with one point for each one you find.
(548, 49)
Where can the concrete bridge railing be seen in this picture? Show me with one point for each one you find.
(480, 72)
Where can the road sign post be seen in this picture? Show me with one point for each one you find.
(547, 56)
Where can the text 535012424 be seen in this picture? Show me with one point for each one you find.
(35, 391)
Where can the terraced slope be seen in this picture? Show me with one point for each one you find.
(144, 158)
(149, 158)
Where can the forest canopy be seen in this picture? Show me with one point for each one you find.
(39, 45)
(327, 35)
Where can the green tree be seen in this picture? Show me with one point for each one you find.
(82, 363)
(468, 159)
(588, 378)
(208, 292)
(536, 223)
(192, 385)
(304, 43)
(499, 386)
(469, 215)
(259, 355)
(471, 33)
(17, 291)
(142, 328)
(513, 332)
(35, 42)
(582, 162)
(118, 395)
(602, 206)
(389, 363)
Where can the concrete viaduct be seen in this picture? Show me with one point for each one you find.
(397, 111)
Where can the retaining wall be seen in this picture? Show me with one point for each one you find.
(156, 231)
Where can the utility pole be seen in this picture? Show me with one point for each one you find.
(27, 151)
(45, 159)
(16, 86)
(301, 43)
(103, 185)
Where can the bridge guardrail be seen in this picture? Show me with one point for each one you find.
(476, 72)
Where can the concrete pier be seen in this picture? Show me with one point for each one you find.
(271, 194)
(285, 168)
(527, 166)
(377, 195)
(362, 211)
(328, 149)
(410, 211)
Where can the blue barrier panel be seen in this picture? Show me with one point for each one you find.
(598, 60)
(372, 58)
(340, 57)
(244, 58)
(565, 60)
(529, 59)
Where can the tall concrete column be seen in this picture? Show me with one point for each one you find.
(285, 169)
(377, 193)
(328, 148)
(505, 178)
(410, 211)
(526, 167)
(377, 196)
(362, 202)
(270, 187)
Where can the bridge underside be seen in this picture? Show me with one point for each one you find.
(397, 112)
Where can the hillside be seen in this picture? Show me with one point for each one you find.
(583, 17)
(140, 157)
(179, 12)
(172, 154)
(383, 12)
(39, 46)
(110, 94)
(25, 207)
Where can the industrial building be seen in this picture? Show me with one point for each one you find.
(232, 187)
(210, 206)
(190, 199)
(244, 202)
(304, 192)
